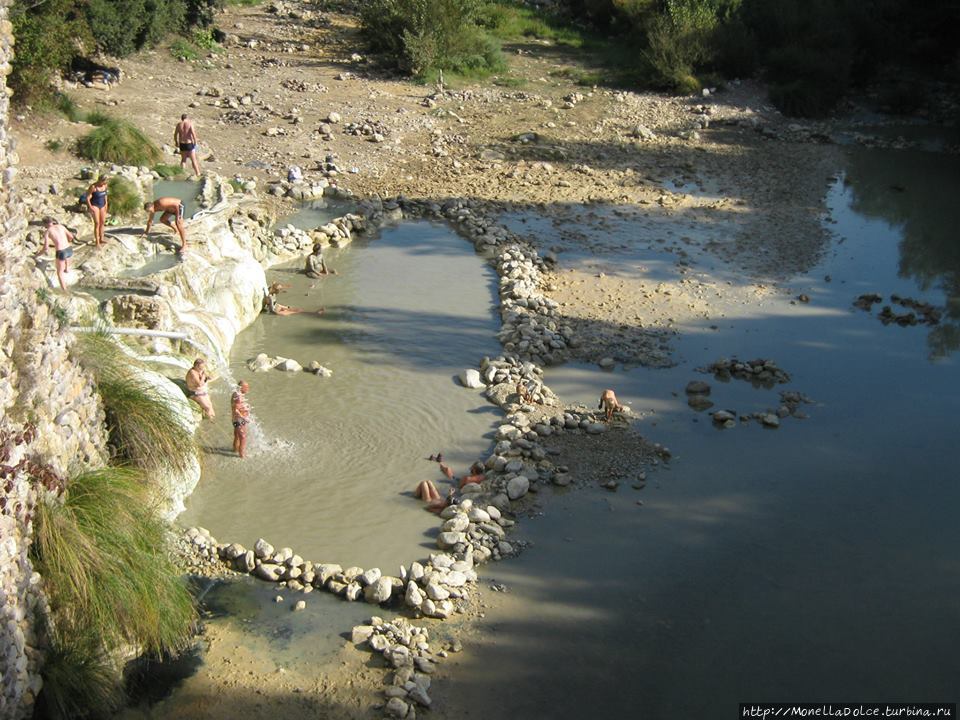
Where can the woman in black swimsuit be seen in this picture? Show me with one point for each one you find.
(97, 204)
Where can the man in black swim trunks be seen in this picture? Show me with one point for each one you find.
(172, 208)
(60, 237)
(185, 137)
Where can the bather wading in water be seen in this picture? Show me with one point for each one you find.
(240, 412)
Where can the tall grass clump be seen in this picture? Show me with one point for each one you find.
(147, 432)
(125, 199)
(103, 553)
(421, 36)
(117, 141)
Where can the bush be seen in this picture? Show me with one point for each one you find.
(41, 53)
(419, 36)
(808, 82)
(111, 583)
(121, 28)
(117, 141)
(125, 199)
(680, 41)
(145, 430)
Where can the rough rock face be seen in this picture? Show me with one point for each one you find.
(39, 383)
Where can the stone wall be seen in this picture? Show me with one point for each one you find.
(51, 426)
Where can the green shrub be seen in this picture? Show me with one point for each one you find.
(204, 39)
(808, 82)
(184, 49)
(121, 28)
(54, 145)
(418, 36)
(125, 199)
(143, 427)
(41, 52)
(118, 141)
(103, 554)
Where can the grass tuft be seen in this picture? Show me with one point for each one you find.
(111, 582)
(66, 105)
(167, 171)
(146, 431)
(77, 676)
(117, 141)
(125, 199)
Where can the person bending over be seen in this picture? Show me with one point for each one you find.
(172, 210)
(609, 404)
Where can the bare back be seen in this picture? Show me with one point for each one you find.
(185, 132)
(166, 205)
(59, 236)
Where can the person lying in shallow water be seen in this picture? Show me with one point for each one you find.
(428, 492)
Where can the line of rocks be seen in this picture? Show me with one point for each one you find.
(925, 313)
(406, 649)
(790, 402)
(760, 371)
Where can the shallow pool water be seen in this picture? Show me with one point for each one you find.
(186, 190)
(334, 473)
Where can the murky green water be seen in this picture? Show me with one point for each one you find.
(810, 563)
(334, 475)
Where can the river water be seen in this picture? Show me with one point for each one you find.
(815, 562)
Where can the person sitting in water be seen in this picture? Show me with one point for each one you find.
(609, 404)
(197, 387)
(428, 492)
(315, 266)
(270, 305)
(171, 209)
(476, 476)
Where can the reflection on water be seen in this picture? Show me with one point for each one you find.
(404, 315)
(318, 212)
(817, 560)
(186, 190)
(914, 195)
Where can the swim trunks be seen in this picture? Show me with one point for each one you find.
(180, 211)
(197, 393)
(65, 253)
(187, 147)
(240, 423)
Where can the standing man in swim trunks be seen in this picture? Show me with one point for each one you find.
(197, 386)
(171, 208)
(185, 137)
(60, 237)
(240, 412)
